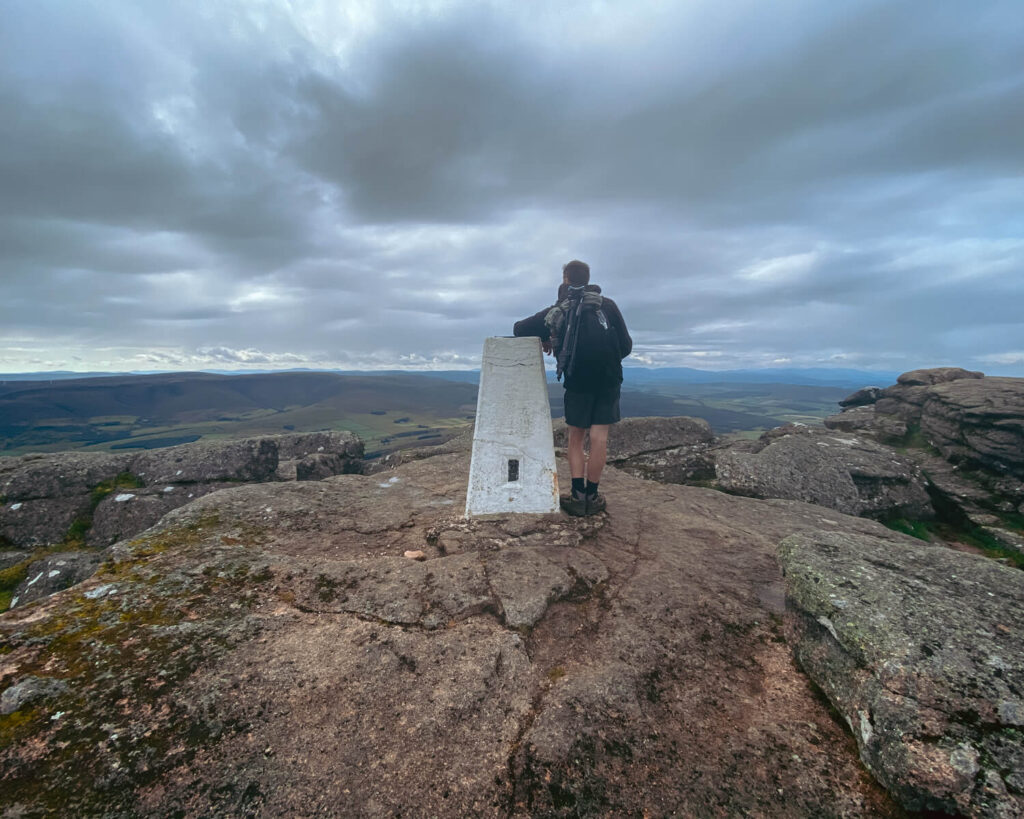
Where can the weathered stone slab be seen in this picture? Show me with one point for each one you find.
(921, 649)
(58, 475)
(936, 375)
(125, 512)
(978, 421)
(844, 472)
(40, 522)
(245, 459)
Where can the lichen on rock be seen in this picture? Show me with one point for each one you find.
(921, 649)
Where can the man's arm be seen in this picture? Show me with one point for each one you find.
(533, 326)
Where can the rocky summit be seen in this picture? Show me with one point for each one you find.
(351, 646)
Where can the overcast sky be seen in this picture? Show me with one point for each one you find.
(258, 184)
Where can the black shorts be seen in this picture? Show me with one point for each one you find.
(584, 409)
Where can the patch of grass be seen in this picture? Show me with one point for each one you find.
(976, 536)
(18, 726)
(1012, 520)
(981, 539)
(10, 579)
(920, 529)
(326, 587)
(556, 673)
(915, 439)
(124, 480)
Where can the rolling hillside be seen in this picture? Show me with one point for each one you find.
(388, 410)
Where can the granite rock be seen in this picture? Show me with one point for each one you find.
(54, 573)
(267, 650)
(844, 472)
(921, 650)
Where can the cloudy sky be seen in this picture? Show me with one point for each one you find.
(273, 184)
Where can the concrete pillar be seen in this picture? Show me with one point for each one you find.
(513, 465)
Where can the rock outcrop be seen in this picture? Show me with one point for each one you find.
(978, 423)
(966, 432)
(112, 496)
(669, 450)
(79, 503)
(921, 649)
(973, 420)
(53, 573)
(268, 650)
(833, 469)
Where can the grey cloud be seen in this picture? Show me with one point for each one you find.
(217, 177)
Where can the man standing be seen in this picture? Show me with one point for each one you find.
(587, 334)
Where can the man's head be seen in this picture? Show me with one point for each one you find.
(576, 273)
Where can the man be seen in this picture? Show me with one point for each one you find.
(588, 336)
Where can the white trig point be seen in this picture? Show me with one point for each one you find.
(513, 465)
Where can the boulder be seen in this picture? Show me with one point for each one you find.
(322, 465)
(26, 524)
(29, 690)
(107, 497)
(978, 422)
(903, 402)
(459, 443)
(936, 375)
(921, 650)
(863, 397)
(966, 431)
(669, 450)
(843, 472)
(868, 421)
(324, 454)
(8, 559)
(637, 436)
(58, 475)
(125, 512)
(243, 460)
(54, 573)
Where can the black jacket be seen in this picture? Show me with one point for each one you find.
(585, 380)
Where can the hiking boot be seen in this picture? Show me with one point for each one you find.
(574, 504)
(595, 503)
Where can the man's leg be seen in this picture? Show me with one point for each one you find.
(598, 451)
(575, 453)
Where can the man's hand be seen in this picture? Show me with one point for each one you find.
(546, 346)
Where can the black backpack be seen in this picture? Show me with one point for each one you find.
(582, 336)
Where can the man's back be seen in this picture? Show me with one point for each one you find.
(598, 362)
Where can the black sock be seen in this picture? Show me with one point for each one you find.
(577, 486)
(591, 488)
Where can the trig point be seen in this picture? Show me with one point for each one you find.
(513, 465)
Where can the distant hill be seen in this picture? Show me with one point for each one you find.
(825, 376)
(822, 376)
(387, 410)
(157, 410)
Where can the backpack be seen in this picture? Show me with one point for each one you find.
(581, 335)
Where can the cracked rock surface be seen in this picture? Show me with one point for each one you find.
(268, 651)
